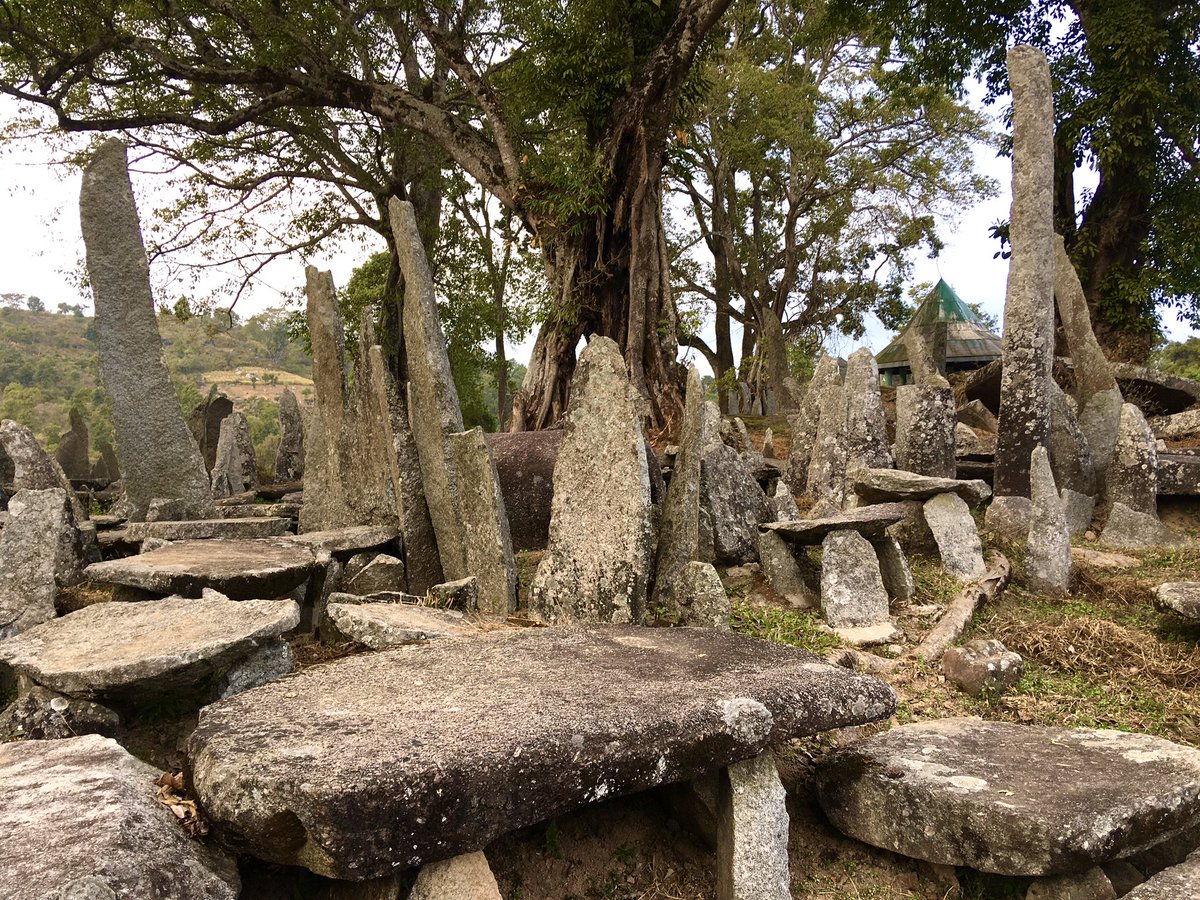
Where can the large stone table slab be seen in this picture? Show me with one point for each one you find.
(1011, 799)
(242, 570)
(78, 819)
(387, 760)
(869, 521)
(209, 529)
(886, 485)
(115, 648)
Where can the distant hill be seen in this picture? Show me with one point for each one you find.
(49, 363)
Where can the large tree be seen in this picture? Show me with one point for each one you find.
(560, 111)
(1127, 101)
(811, 175)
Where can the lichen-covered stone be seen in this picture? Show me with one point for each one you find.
(999, 797)
(33, 468)
(866, 426)
(208, 529)
(381, 572)
(957, 538)
(893, 567)
(1174, 883)
(735, 502)
(805, 421)
(1048, 559)
(783, 573)
(982, 667)
(752, 832)
(1182, 597)
(381, 626)
(429, 751)
(869, 521)
(483, 520)
(235, 469)
(887, 485)
(1127, 527)
(1070, 453)
(852, 591)
(701, 600)
(598, 558)
(465, 877)
(1132, 477)
(41, 714)
(925, 423)
(159, 457)
(826, 482)
(679, 529)
(289, 457)
(41, 552)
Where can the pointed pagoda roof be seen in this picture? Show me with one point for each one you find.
(967, 339)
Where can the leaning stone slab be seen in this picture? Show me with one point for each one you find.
(884, 485)
(679, 529)
(869, 521)
(781, 569)
(598, 558)
(380, 626)
(79, 820)
(40, 552)
(1174, 883)
(956, 536)
(242, 570)
(159, 456)
(1182, 597)
(231, 529)
(429, 751)
(1009, 798)
(893, 566)
(852, 591)
(752, 832)
(110, 649)
(735, 503)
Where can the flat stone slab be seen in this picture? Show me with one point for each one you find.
(209, 529)
(345, 540)
(381, 626)
(154, 646)
(1011, 799)
(377, 762)
(1182, 597)
(885, 485)
(869, 521)
(259, 510)
(241, 570)
(1178, 474)
(1176, 883)
(79, 820)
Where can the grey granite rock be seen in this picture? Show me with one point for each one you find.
(289, 457)
(1127, 527)
(752, 832)
(1090, 885)
(1176, 883)
(735, 502)
(885, 485)
(33, 468)
(866, 426)
(544, 721)
(993, 795)
(701, 600)
(783, 572)
(207, 529)
(205, 424)
(1070, 453)
(381, 626)
(159, 457)
(381, 572)
(679, 528)
(73, 445)
(598, 559)
(1028, 344)
(893, 568)
(1093, 374)
(1009, 516)
(462, 594)
(465, 877)
(869, 521)
(956, 536)
(41, 714)
(852, 591)
(1048, 558)
(268, 662)
(42, 552)
(79, 816)
(483, 520)
(111, 649)
(826, 482)
(982, 667)
(1182, 597)
(925, 423)
(1079, 510)
(524, 463)
(347, 540)
(975, 415)
(805, 421)
(1132, 476)
(235, 469)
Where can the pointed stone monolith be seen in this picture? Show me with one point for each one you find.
(804, 424)
(289, 458)
(72, 451)
(679, 533)
(235, 470)
(1048, 556)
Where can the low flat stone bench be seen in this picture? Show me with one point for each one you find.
(869, 521)
(209, 529)
(379, 762)
(381, 626)
(241, 570)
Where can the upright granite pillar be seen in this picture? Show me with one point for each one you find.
(827, 466)
(205, 422)
(159, 457)
(235, 470)
(289, 458)
(679, 534)
(804, 424)
(866, 426)
(925, 422)
(1028, 344)
(599, 553)
(1048, 557)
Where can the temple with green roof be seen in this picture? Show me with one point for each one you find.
(969, 344)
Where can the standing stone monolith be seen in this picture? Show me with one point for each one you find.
(827, 466)
(852, 590)
(866, 426)
(236, 469)
(599, 552)
(33, 468)
(1132, 477)
(72, 451)
(1048, 558)
(804, 424)
(925, 422)
(159, 457)
(205, 424)
(679, 532)
(433, 407)
(106, 465)
(289, 458)
(752, 832)
(954, 532)
(1028, 343)
(1071, 462)
(41, 551)
(487, 543)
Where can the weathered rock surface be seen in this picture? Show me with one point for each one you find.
(158, 646)
(1093, 374)
(159, 457)
(983, 666)
(852, 591)
(235, 469)
(525, 469)
(1070, 453)
(975, 415)
(599, 553)
(1132, 477)
(1009, 515)
(1028, 342)
(243, 570)
(462, 594)
(41, 714)
(205, 424)
(956, 536)
(866, 425)
(41, 552)
(73, 445)
(230, 529)
(804, 423)
(1099, 419)
(826, 482)
(289, 457)
(782, 571)
(752, 832)
(1090, 885)
(1174, 883)
(679, 529)
(1003, 798)
(545, 721)
(1181, 597)
(925, 423)
(487, 545)
(701, 600)
(735, 504)
(885, 485)
(1127, 527)
(347, 540)
(869, 521)
(382, 572)
(465, 877)
(33, 469)
(1048, 560)
(381, 626)
(893, 567)
(80, 815)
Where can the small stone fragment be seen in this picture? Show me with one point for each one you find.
(1182, 597)
(983, 666)
(466, 877)
(1127, 527)
(462, 594)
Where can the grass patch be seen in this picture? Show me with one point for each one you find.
(784, 626)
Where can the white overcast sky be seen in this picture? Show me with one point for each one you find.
(41, 247)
